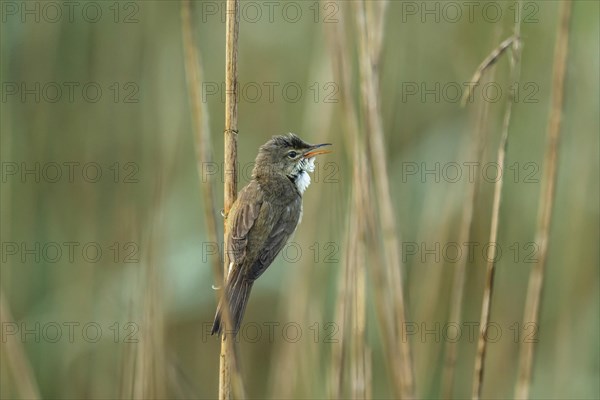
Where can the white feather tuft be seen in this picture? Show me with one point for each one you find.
(303, 178)
(302, 181)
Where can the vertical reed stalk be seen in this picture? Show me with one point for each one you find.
(355, 148)
(292, 370)
(228, 362)
(193, 67)
(150, 376)
(458, 284)
(515, 72)
(338, 350)
(369, 23)
(352, 350)
(360, 360)
(341, 61)
(536, 277)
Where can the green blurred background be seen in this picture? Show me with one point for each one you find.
(140, 314)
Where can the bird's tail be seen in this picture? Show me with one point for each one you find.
(237, 292)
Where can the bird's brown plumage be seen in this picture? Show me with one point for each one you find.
(261, 221)
(258, 226)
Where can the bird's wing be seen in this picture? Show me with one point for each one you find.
(245, 214)
(284, 226)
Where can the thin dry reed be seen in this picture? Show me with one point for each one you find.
(515, 72)
(292, 371)
(536, 278)
(338, 350)
(369, 25)
(487, 62)
(345, 311)
(352, 350)
(341, 62)
(149, 378)
(194, 74)
(360, 357)
(475, 153)
(228, 363)
(362, 231)
(360, 207)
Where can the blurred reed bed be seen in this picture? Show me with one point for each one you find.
(354, 309)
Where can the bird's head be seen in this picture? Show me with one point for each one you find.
(290, 156)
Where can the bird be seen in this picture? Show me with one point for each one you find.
(262, 219)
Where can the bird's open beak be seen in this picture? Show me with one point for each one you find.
(315, 150)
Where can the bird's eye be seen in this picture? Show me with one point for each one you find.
(292, 154)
